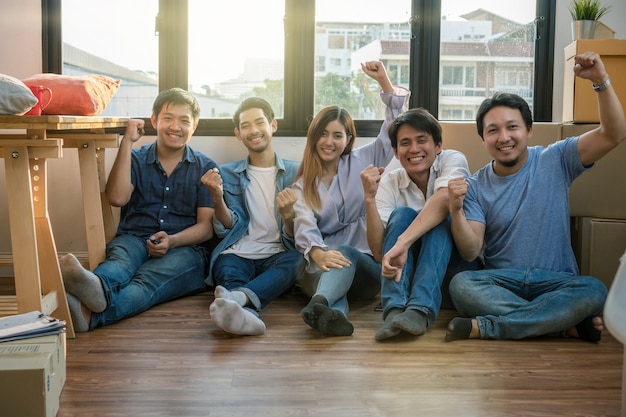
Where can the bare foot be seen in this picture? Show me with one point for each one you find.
(598, 323)
(475, 333)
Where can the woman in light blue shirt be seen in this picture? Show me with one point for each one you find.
(330, 223)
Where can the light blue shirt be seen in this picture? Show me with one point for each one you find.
(526, 214)
(341, 219)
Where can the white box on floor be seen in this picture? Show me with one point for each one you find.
(32, 375)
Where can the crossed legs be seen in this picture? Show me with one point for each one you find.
(521, 303)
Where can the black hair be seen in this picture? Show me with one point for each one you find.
(510, 100)
(176, 95)
(254, 103)
(419, 119)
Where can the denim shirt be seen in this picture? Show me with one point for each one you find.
(235, 182)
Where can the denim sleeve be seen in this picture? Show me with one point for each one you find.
(220, 230)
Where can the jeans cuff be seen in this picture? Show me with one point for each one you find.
(254, 299)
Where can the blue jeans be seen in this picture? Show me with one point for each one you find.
(262, 280)
(520, 303)
(359, 281)
(423, 273)
(134, 282)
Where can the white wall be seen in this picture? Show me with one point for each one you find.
(20, 31)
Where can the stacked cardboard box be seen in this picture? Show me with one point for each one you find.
(32, 376)
(580, 104)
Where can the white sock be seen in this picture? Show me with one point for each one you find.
(235, 319)
(76, 312)
(236, 296)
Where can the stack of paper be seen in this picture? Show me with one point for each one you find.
(33, 324)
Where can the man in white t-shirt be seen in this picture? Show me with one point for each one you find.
(407, 222)
(256, 260)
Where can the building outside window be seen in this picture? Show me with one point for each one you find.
(484, 46)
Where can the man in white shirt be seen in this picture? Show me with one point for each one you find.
(407, 222)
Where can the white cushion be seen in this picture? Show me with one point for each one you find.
(15, 97)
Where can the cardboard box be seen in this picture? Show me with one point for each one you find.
(580, 104)
(599, 245)
(59, 341)
(593, 194)
(32, 376)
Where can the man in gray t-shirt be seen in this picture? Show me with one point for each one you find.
(515, 212)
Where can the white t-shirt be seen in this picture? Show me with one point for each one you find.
(263, 237)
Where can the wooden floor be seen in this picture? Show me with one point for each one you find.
(173, 361)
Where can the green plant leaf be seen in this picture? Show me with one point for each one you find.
(587, 9)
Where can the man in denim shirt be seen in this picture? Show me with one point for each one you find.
(256, 260)
(159, 252)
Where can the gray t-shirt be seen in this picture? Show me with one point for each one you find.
(527, 214)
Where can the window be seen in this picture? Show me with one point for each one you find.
(497, 43)
(320, 64)
(336, 41)
(247, 59)
(356, 34)
(304, 54)
(453, 75)
(122, 46)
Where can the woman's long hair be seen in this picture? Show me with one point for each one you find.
(311, 166)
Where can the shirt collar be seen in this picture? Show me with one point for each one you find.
(243, 164)
(151, 155)
(405, 181)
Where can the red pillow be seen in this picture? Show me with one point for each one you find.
(84, 95)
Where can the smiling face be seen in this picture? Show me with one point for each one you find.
(506, 137)
(255, 131)
(416, 151)
(332, 143)
(174, 125)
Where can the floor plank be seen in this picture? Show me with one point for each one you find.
(173, 361)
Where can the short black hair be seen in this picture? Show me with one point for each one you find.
(176, 95)
(254, 103)
(419, 119)
(510, 100)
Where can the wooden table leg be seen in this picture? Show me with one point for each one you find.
(22, 224)
(110, 227)
(38, 281)
(92, 206)
(54, 299)
(99, 219)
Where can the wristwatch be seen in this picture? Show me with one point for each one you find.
(603, 86)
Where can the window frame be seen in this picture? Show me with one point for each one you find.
(299, 24)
